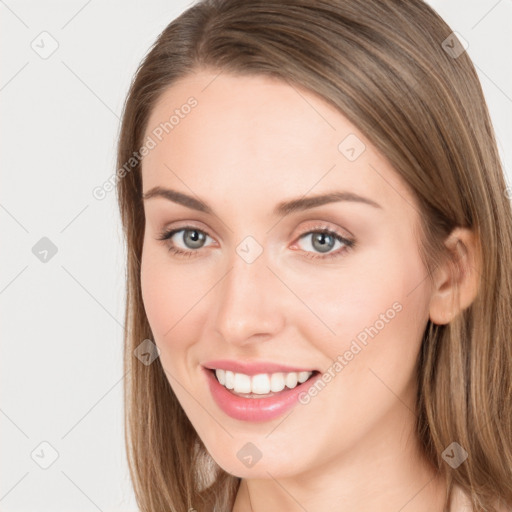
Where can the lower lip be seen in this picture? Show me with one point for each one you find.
(255, 409)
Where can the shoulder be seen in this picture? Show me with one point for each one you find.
(461, 502)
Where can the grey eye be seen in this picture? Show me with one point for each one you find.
(320, 241)
(192, 238)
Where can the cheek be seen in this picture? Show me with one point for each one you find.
(377, 313)
(169, 295)
(378, 305)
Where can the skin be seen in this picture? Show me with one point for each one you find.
(250, 143)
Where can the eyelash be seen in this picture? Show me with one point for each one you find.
(349, 244)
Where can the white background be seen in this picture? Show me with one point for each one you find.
(62, 320)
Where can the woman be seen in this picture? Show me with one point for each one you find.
(319, 289)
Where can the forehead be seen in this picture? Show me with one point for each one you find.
(268, 116)
(259, 134)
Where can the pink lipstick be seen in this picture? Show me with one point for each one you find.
(260, 408)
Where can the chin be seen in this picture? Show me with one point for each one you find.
(262, 469)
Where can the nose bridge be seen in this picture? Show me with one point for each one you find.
(248, 297)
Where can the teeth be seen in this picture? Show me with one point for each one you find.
(277, 382)
(242, 383)
(260, 384)
(221, 377)
(230, 379)
(303, 376)
(291, 380)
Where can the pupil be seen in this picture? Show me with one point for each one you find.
(193, 238)
(323, 247)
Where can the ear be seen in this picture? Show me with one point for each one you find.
(456, 281)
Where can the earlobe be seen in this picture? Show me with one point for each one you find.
(456, 281)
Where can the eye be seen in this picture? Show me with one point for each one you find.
(321, 239)
(191, 237)
(324, 240)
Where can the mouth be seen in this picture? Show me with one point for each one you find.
(261, 385)
(258, 397)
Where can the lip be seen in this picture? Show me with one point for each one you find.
(255, 409)
(253, 368)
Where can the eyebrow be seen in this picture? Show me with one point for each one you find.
(283, 208)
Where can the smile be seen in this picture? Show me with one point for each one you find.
(262, 383)
(259, 405)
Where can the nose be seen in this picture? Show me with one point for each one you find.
(251, 302)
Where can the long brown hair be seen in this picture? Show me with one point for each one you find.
(397, 72)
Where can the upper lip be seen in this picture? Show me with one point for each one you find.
(253, 368)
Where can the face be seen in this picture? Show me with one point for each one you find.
(334, 286)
